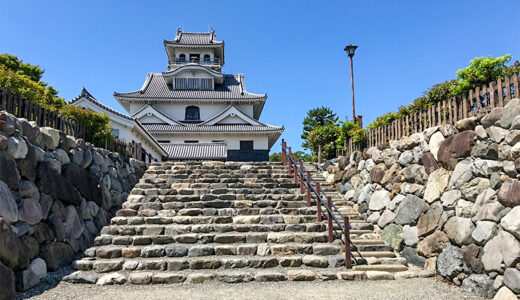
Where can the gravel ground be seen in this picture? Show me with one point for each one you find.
(417, 288)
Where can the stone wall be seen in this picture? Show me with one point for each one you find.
(448, 199)
(56, 193)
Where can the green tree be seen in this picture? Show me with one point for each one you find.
(481, 71)
(326, 137)
(277, 156)
(24, 80)
(17, 65)
(319, 116)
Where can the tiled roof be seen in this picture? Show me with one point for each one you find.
(90, 98)
(158, 128)
(156, 87)
(194, 38)
(196, 151)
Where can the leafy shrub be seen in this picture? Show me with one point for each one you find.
(23, 79)
(481, 71)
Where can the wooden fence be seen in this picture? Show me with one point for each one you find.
(480, 100)
(23, 108)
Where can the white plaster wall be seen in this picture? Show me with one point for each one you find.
(187, 52)
(150, 119)
(232, 120)
(233, 140)
(246, 109)
(125, 132)
(190, 74)
(177, 111)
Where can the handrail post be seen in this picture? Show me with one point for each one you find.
(308, 189)
(318, 202)
(348, 260)
(289, 167)
(295, 174)
(295, 162)
(302, 187)
(283, 152)
(329, 220)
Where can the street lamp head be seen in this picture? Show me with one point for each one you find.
(350, 49)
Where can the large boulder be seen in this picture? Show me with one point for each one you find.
(487, 207)
(433, 244)
(7, 287)
(10, 246)
(512, 279)
(16, 147)
(484, 231)
(450, 262)
(430, 162)
(479, 284)
(73, 223)
(56, 185)
(56, 255)
(462, 174)
(79, 177)
(377, 173)
(459, 230)
(430, 220)
(393, 236)
(412, 257)
(454, 147)
(409, 210)
(410, 235)
(497, 134)
(502, 250)
(30, 211)
(379, 200)
(436, 141)
(8, 171)
(472, 189)
(485, 149)
(437, 184)
(8, 206)
(471, 258)
(509, 113)
(509, 193)
(511, 222)
(492, 117)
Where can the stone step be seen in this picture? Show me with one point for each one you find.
(263, 219)
(386, 268)
(237, 276)
(225, 238)
(232, 262)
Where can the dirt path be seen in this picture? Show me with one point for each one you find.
(418, 288)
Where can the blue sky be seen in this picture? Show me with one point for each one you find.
(293, 50)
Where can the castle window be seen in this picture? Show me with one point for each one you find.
(246, 145)
(192, 113)
(206, 58)
(182, 57)
(193, 83)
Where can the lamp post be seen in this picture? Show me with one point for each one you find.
(350, 49)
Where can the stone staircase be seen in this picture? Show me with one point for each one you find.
(232, 222)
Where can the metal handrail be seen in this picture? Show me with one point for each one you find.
(325, 195)
(329, 210)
